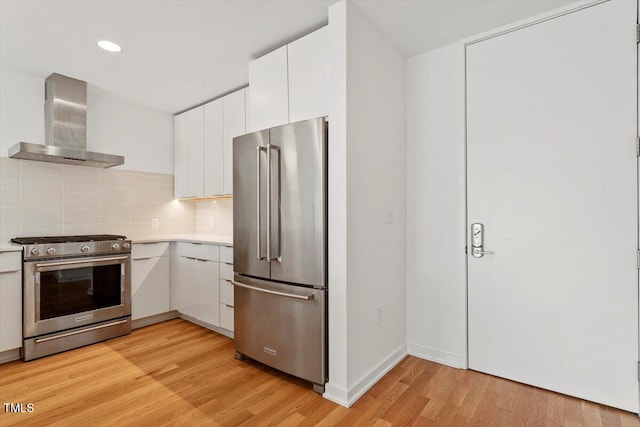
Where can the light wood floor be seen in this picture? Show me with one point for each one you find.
(177, 373)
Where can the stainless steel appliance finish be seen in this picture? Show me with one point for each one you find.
(74, 293)
(282, 326)
(65, 128)
(280, 250)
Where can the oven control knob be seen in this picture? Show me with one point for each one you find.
(51, 251)
(35, 251)
(115, 246)
(126, 245)
(85, 249)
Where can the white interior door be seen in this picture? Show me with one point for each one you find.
(551, 128)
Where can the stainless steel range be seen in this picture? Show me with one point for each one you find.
(76, 291)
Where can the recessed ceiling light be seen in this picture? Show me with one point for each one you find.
(110, 46)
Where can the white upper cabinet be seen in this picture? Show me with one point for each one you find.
(290, 84)
(213, 148)
(269, 99)
(196, 162)
(234, 125)
(308, 60)
(188, 134)
(203, 139)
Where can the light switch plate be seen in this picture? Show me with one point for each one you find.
(155, 222)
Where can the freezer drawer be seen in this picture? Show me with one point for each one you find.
(282, 326)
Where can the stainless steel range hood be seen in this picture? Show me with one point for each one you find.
(65, 113)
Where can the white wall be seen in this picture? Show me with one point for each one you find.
(142, 135)
(114, 126)
(436, 260)
(367, 125)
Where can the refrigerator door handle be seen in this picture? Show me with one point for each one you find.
(268, 291)
(259, 256)
(269, 148)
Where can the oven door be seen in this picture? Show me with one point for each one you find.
(68, 293)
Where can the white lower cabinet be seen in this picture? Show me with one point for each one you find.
(150, 279)
(10, 300)
(226, 288)
(197, 286)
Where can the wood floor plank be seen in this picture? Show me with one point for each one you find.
(177, 373)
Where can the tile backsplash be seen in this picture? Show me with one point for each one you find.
(215, 217)
(39, 198)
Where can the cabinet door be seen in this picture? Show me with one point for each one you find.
(308, 60)
(194, 138)
(213, 140)
(269, 99)
(208, 309)
(234, 125)
(181, 136)
(186, 286)
(150, 287)
(11, 309)
(226, 316)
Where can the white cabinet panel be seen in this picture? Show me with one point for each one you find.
(213, 146)
(188, 159)
(196, 148)
(150, 286)
(146, 250)
(308, 60)
(208, 307)
(181, 135)
(197, 287)
(234, 125)
(198, 250)
(226, 271)
(269, 99)
(186, 286)
(10, 300)
(226, 292)
(226, 254)
(226, 317)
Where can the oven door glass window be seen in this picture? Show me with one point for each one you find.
(75, 290)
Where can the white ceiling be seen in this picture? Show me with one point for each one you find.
(179, 53)
(416, 26)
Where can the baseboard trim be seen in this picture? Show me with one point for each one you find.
(216, 329)
(347, 398)
(9, 355)
(152, 320)
(438, 356)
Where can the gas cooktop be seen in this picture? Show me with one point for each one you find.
(66, 239)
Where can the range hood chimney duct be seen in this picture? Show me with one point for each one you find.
(65, 117)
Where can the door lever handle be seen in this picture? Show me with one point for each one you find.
(477, 241)
(479, 252)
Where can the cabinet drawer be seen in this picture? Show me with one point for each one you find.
(148, 250)
(226, 292)
(226, 254)
(226, 317)
(10, 261)
(198, 250)
(226, 271)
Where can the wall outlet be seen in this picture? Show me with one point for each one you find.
(379, 314)
(155, 222)
(388, 218)
(210, 222)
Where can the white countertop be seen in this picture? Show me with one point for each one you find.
(191, 238)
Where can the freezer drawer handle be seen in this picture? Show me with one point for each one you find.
(267, 291)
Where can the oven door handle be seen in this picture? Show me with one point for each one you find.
(89, 262)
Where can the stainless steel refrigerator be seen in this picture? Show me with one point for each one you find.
(280, 248)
